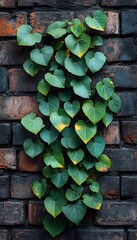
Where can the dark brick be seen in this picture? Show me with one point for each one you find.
(8, 158)
(76, 4)
(100, 234)
(21, 186)
(116, 3)
(117, 214)
(128, 107)
(109, 186)
(128, 188)
(3, 80)
(7, 3)
(123, 160)
(4, 187)
(132, 234)
(129, 22)
(12, 213)
(5, 133)
(29, 3)
(11, 54)
(19, 134)
(129, 132)
(112, 134)
(36, 212)
(28, 234)
(119, 49)
(4, 235)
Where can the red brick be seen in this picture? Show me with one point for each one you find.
(29, 3)
(27, 164)
(7, 3)
(8, 158)
(129, 132)
(10, 22)
(36, 212)
(112, 134)
(14, 108)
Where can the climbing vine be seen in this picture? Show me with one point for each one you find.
(74, 109)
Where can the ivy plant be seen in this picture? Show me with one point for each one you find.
(73, 108)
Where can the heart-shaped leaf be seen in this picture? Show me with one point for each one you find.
(72, 109)
(105, 88)
(93, 201)
(104, 163)
(70, 138)
(49, 135)
(74, 193)
(53, 225)
(76, 155)
(115, 103)
(94, 187)
(107, 119)
(55, 159)
(57, 29)
(84, 131)
(32, 123)
(61, 55)
(78, 175)
(89, 163)
(33, 149)
(57, 79)
(75, 211)
(78, 46)
(98, 22)
(54, 207)
(95, 61)
(96, 147)
(76, 66)
(30, 67)
(52, 105)
(43, 87)
(96, 41)
(65, 96)
(38, 188)
(59, 178)
(42, 56)
(60, 120)
(47, 171)
(94, 112)
(25, 37)
(83, 87)
(77, 28)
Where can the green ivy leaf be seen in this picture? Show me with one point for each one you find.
(76, 66)
(96, 147)
(95, 61)
(98, 22)
(61, 55)
(43, 87)
(39, 189)
(89, 163)
(60, 120)
(72, 109)
(107, 119)
(96, 41)
(53, 66)
(78, 175)
(94, 187)
(47, 171)
(104, 163)
(82, 88)
(25, 37)
(32, 123)
(115, 103)
(75, 211)
(57, 79)
(78, 46)
(33, 149)
(49, 107)
(84, 131)
(76, 155)
(57, 29)
(59, 178)
(77, 29)
(93, 201)
(54, 206)
(105, 88)
(49, 135)
(74, 193)
(65, 96)
(58, 44)
(30, 67)
(94, 112)
(53, 225)
(70, 138)
(43, 56)
(55, 159)
(40, 97)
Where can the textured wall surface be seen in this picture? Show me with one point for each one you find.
(20, 211)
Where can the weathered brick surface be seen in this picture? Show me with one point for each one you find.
(4, 187)
(117, 214)
(100, 234)
(112, 134)
(116, 3)
(3, 80)
(5, 131)
(36, 212)
(128, 188)
(129, 130)
(129, 22)
(132, 234)
(19, 134)
(4, 235)
(111, 190)
(12, 213)
(28, 3)
(7, 3)
(10, 22)
(128, 107)
(14, 108)
(8, 158)
(28, 164)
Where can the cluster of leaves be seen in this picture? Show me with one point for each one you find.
(73, 109)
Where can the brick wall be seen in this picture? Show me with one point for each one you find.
(20, 211)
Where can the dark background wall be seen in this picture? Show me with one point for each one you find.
(20, 211)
